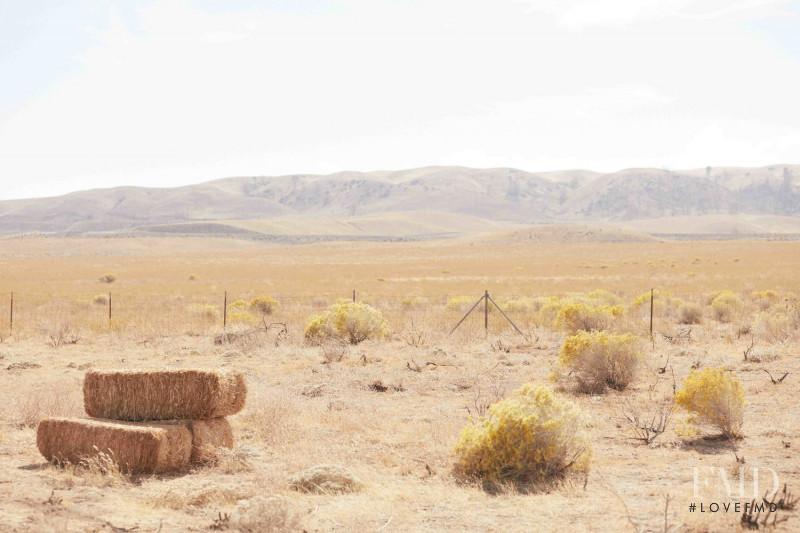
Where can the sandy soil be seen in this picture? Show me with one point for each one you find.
(302, 411)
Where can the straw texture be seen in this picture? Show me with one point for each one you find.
(163, 395)
(207, 436)
(137, 448)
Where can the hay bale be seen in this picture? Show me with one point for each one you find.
(163, 395)
(207, 436)
(137, 448)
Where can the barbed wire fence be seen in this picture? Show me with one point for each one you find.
(25, 314)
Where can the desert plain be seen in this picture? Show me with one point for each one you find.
(390, 410)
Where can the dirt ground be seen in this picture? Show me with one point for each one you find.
(390, 411)
(302, 411)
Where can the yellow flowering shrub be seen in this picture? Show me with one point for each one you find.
(664, 304)
(659, 299)
(264, 305)
(725, 305)
(522, 304)
(241, 318)
(207, 313)
(604, 297)
(460, 303)
(353, 322)
(412, 301)
(579, 316)
(764, 299)
(600, 359)
(238, 305)
(709, 296)
(533, 435)
(548, 310)
(713, 398)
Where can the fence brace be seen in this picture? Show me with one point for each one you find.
(486, 299)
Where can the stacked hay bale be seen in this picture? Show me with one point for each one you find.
(148, 422)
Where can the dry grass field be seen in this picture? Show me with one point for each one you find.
(391, 410)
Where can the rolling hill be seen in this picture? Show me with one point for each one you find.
(423, 202)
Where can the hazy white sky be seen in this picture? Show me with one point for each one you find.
(162, 93)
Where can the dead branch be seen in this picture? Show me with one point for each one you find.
(775, 381)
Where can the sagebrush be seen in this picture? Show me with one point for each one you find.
(599, 359)
(353, 322)
(713, 398)
(534, 435)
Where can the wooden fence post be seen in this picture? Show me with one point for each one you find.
(225, 311)
(11, 314)
(109, 307)
(354, 295)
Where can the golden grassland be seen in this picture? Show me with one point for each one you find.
(161, 266)
(311, 405)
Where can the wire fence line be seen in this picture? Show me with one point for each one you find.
(177, 314)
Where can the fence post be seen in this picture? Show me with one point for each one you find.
(354, 295)
(651, 318)
(471, 309)
(225, 311)
(486, 312)
(11, 314)
(109, 307)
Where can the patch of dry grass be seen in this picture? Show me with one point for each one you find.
(43, 401)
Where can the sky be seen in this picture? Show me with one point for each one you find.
(174, 92)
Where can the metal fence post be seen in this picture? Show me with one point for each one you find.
(651, 318)
(486, 312)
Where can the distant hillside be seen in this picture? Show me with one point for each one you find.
(479, 197)
(560, 234)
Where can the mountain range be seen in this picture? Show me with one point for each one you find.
(423, 201)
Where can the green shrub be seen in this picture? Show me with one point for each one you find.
(353, 322)
(713, 398)
(532, 436)
(600, 359)
(264, 305)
